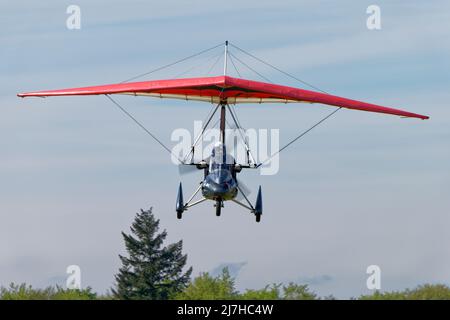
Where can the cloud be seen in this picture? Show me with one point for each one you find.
(363, 44)
(315, 280)
(233, 267)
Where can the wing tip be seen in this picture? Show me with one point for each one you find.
(422, 117)
(31, 94)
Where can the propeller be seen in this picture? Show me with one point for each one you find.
(187, 168)
(243, 189)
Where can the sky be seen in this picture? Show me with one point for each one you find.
(362, 189)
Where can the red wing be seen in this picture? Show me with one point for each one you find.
(223, 88)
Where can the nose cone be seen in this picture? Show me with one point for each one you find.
(219, 189)
(224, 190)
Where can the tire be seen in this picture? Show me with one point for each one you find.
(258, 217)
(179, 214)
(218, 208)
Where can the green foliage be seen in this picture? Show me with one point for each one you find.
(150, 271)
(430, 292)
(206, 287)
(422, 292)
(222, 287)
(298, 292)
(27, 292)
(269, 292)
(292, 291)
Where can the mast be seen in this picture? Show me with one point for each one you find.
(223, 103)
(222, 123)
(225, 60)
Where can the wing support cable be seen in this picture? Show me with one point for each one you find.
(250, 68)
(290, 76)
(247, 147)
(277, 69)
(299, 136)
(234, 65)
(142, 127)
(172, 64)
(211, 114)
(215, 57)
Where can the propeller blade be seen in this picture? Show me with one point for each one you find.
(192, 167)
(243, 189)
(184, 169)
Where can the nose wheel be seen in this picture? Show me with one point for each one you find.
(218, 208)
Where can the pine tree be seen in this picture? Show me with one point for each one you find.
(151, 271)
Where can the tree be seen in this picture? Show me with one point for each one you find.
(292, 291)
(298, 292)
(222, 287)
(269, 292)
(206, 287)
(151, 271)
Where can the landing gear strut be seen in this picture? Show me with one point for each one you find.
(181, 206)
(257, 209)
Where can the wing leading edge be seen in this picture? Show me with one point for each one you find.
(223, 89)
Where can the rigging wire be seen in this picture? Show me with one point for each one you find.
(205, 126)
(299, 136)
(208, 119)
(232, 62)
(201, 64)
(215, 63)
(240, 130)
(278, 69)
(297, 79)
(242, 62)
(237, 118)
(232, 111)
(198, 139)
(171, 64)
(234, 115)
(142, 127)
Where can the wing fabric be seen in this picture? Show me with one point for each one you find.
(223, 89)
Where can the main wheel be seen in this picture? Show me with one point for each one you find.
(218, 208)
(258, 217)
(179, 214)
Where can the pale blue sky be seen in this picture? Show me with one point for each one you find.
(362, 189)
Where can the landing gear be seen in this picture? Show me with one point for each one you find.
(258, 206)
(218, 208)
(181, 206)
(180, 203)
(257, 209)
